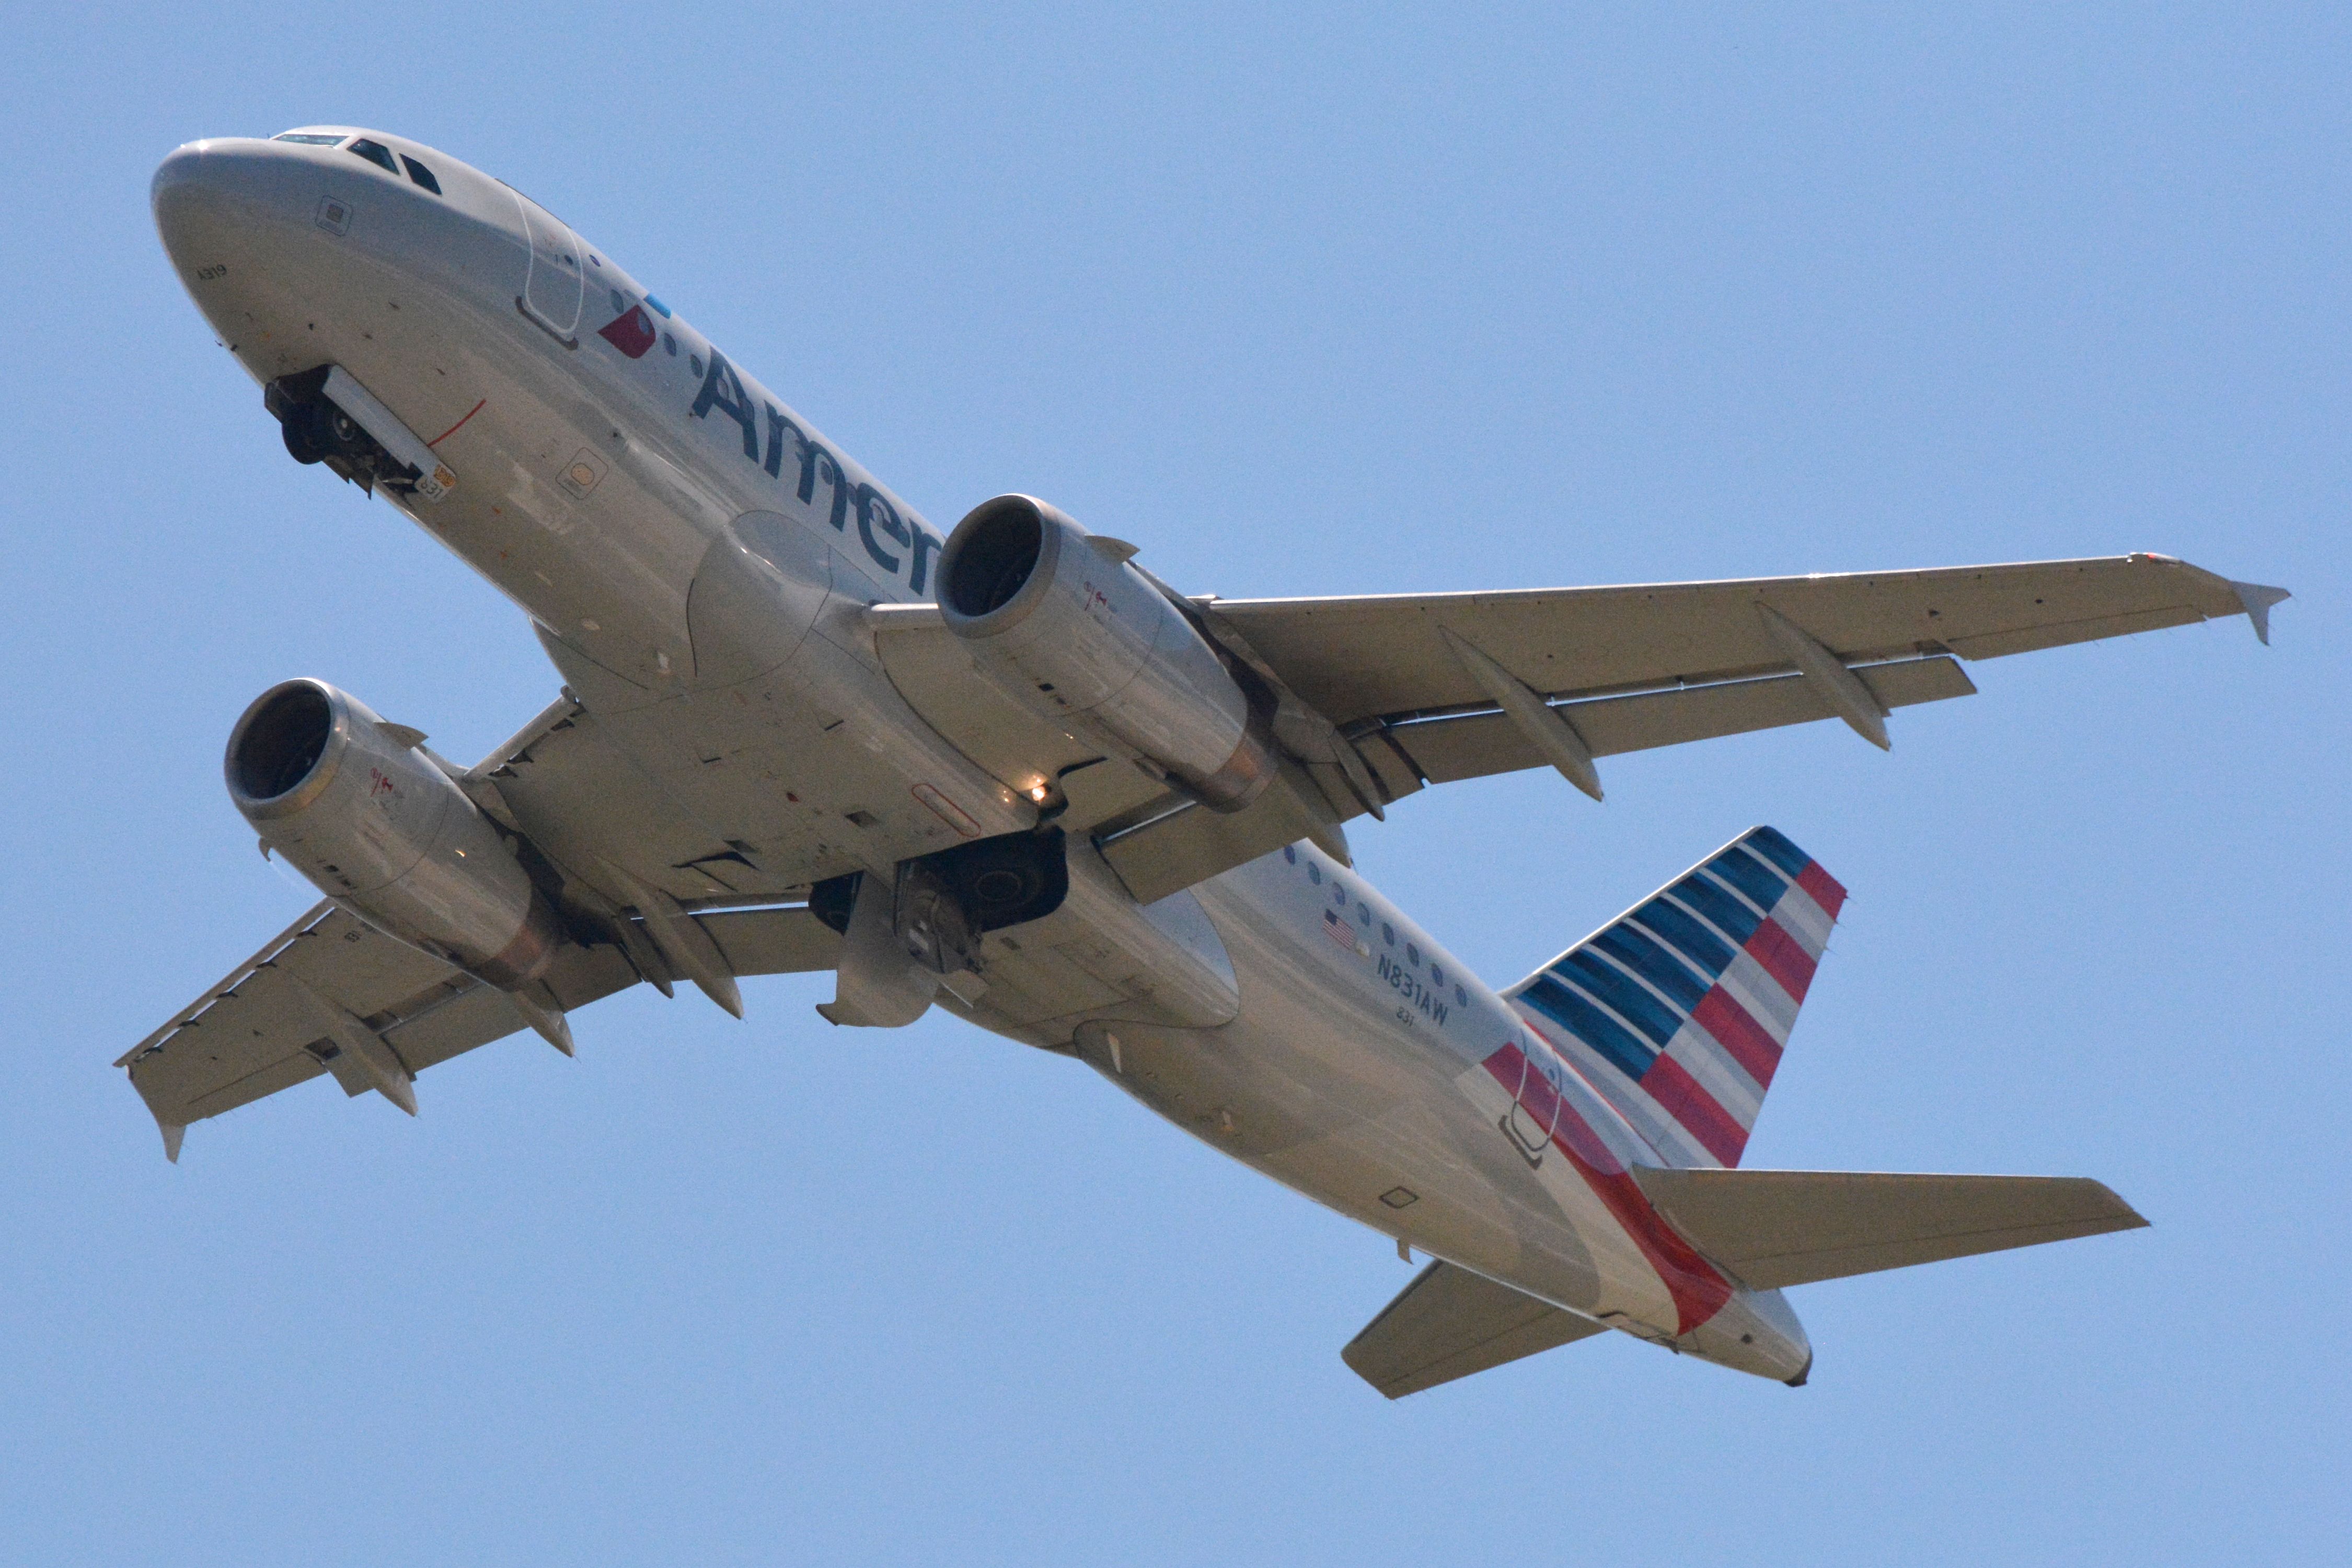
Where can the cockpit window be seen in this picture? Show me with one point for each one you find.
(311, 138)
(375, 153)
(420, 175)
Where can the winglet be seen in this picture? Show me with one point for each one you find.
(2258, 601)
(172, 1138)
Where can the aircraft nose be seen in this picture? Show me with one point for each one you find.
(216, 196)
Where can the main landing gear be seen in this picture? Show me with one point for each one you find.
(905, 937)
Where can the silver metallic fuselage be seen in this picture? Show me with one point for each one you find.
(1349, 1057)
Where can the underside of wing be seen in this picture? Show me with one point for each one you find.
(332, 996)
(1385, 656)
(1446, 748)
(1374, 697)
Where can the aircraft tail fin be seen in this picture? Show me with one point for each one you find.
(1678, 1010)
(1775, 1228)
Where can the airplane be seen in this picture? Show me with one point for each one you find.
(1009, 771)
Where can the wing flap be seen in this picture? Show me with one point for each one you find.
(772, 941)
(1449, 1323)
(2031, 639)
(1473, 745)
(1775, 1228)
(262, 1081)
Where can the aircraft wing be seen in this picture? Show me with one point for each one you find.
(1382, 656)
(1378, 696)
(289, 1013)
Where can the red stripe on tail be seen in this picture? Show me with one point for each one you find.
(1742, 1037)
(1698, 1291)
(1685, 1100)
(1826, 889)
(1782, 958)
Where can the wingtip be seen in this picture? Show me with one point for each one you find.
(172, 1138)
(2258, 598)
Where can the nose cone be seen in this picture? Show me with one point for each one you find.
(209, 197)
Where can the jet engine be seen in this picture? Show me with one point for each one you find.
(352, 803)
(1061, 622)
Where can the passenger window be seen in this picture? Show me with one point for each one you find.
(420, 175)
(375, 153)
(311, 138)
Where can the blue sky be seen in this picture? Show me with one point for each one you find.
(1461, 297)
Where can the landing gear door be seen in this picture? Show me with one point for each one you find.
(556, 281)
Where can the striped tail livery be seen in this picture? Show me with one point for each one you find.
(1677, 1011)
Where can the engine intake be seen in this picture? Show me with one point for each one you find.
(1058, 619)
(379, 828)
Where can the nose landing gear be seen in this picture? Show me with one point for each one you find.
(318, 429)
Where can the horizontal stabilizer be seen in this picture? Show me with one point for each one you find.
(1449, 1323)
(1774, 1228)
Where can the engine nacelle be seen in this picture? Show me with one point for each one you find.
(1058, 619)
(355, 807)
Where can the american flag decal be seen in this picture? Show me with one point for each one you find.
(1336, 927)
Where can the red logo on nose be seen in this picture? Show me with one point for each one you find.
(631, 332)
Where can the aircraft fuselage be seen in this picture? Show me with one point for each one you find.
(607, 458)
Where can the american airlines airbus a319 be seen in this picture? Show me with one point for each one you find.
(1009, 771)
